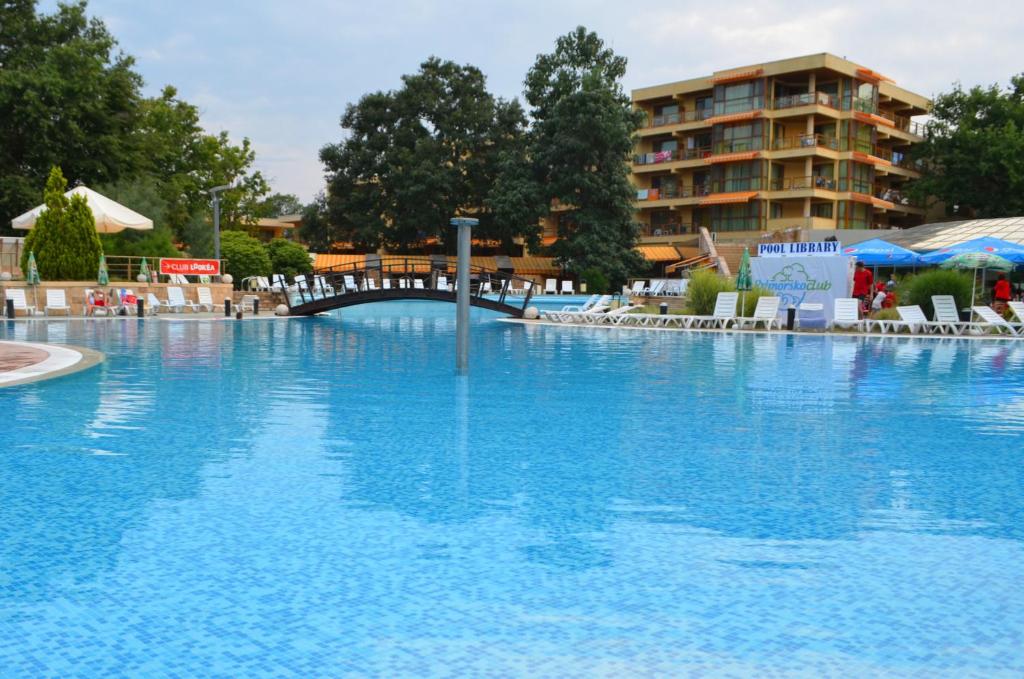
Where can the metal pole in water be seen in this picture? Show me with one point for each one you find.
(465, 225)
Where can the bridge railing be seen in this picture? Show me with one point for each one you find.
(388, 274)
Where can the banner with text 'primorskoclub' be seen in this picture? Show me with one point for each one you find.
(795, 280)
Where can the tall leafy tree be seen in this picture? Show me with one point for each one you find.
(278, 204)
(67, 97)
(64, 238)
(416, 156)
(582, 135)
(973, 153)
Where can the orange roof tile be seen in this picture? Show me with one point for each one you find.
(737, 75)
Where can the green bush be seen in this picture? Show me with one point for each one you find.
(920, 288)
(703, 289)
(64, 238)
(288, 258)
(246, 255)
(597, 282)
(885, 315)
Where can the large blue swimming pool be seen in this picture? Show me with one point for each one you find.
(324, 498)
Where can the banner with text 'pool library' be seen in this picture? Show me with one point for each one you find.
(814, 279)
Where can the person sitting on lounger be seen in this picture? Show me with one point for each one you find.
(98, 300)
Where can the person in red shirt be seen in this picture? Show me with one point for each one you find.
(862, 280)
(1001, 294)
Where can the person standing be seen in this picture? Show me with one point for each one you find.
(862, 280)
(1001, 294)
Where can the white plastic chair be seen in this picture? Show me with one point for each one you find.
(206, 299)
(846, 313)
(567, 288)
(56, 300)
(766, 312)
(17, 295)
(551, 286)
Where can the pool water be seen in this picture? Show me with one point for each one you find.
(323, 497)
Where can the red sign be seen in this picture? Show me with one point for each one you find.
(190, 267)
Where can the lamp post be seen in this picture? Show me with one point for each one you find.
(465, 225)
(215, 192)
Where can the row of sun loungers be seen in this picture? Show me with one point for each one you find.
(56, 301)
(766, 314)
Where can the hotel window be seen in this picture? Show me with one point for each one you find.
(664, 223)
(738, 217)
(823, 210)
(739, 177)
(739, 97)
(666, 145)
(705, 107)
(667, 185)
(666, 114)
(738, 138)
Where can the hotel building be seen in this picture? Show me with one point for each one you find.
(814, 142)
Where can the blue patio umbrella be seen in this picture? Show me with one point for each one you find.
(1014, 252)
(877, 252)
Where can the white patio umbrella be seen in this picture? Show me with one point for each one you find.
(110, 215)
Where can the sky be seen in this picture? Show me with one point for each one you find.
(281, 73)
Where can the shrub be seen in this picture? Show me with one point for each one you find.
(885, 315)
(597, 282)
(703, 289)
(920, 288)
(246, 256)
(288, 258)
(64, 238)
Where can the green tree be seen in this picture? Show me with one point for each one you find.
(246, 256)
(317, 230)
(64, 238)
(278, 204)
(187, 162)
(288, 258)
(67, 97)
(142, 194)
(582, 136)
(973, 153)
(414, 157)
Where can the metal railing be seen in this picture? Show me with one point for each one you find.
(806, 141)
(739, 145)
(127, 268)
(679, 117)
(805, 99)
(740, 105)
(802, 183)
(393, 277)
(667, 229)
(657, 157)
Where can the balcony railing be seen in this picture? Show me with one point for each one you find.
(805, 99)
(657, 157)
(862, 104)
(912, 126)
(680, 117)
(802, 183)
(895, 196)
(806, 141)
(741, 105)
(672, 191)
(739, 145)
(855, 185)
(667, 229)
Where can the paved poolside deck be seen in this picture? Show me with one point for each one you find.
(24, 362)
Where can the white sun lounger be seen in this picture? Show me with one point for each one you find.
(723, 315)
(17, 295)
(322, 286)
(591, 301)
(766, 312)
(567, 288)
(916, 322)
(1018, 310)
(403, 283)
(442, 283)
(350, 283)
(56, 300)
(551, 286)
(417, 283)
(846, 314)
(638, 288)
(385, 284)
(152, 304)
(946, 313)
(176, 300)
(1000, 324)
(280, 284)
(206, 299)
